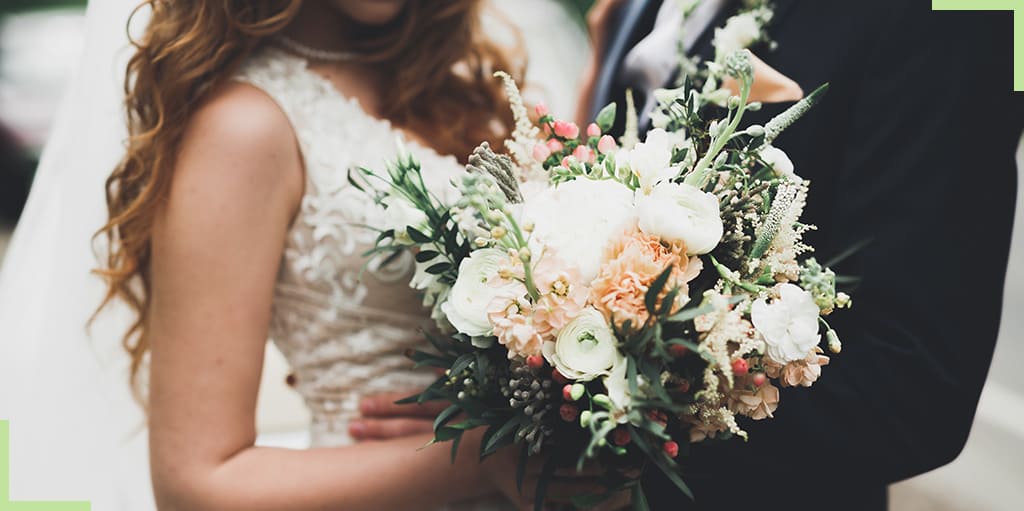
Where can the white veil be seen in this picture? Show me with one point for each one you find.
(76, 433)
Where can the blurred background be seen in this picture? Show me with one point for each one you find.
(39, 43)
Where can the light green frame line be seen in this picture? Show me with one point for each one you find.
(5, 483)
(1016, 6)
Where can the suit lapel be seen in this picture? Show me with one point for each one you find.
(631, 15)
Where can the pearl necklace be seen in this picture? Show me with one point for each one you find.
(315, 53)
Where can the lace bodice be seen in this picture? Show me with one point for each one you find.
(343, 325)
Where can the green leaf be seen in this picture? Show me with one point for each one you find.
(425, 255)
(639, 500)
(417, 236)
(542, 484)
(651, 298)
(524, 458)
(446, 415)
(455, 447)
(446, 433)
(672, 475)
(439, 268)
(631, 375)
(606, 117)
(498, 439)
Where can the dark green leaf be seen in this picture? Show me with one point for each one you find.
(639, 500)
(417, 236)
(455, 447)
(631, 375)
(524, 458)
(542, 484)
(425, 255)
(651, 298)
(446, 415)
(439, 268)
(606, 117)
(505, 432)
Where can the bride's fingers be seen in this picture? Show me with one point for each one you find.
(384, 429)
(383, 405)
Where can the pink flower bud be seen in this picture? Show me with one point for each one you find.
(593, 130)
(541, 152)
(541, 109)
(606, 144)
(566, 129)
(555, 146)
(584, 154)
(565, 162)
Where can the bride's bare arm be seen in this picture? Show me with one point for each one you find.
(215, 254)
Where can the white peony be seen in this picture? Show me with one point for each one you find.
(651, 159)
(789, 324)
(578, 219)
(737, 34)
(400, 214)
(779, 162)
(466, 307)
(585, 349)
(681, 212)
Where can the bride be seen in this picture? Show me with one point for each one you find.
(231, 221)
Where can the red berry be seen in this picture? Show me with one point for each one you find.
(535, 361)
(568, 412)
(684, 386)
(759, 379)
(671, 448)
(678, 350)
(658, 416)
(557, 376)
(567, 392)
(621, 436)
(740, 367)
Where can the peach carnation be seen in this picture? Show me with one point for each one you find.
(632, 263)
(754, 402)
(511, 316)
(801, 373)
(562, 295)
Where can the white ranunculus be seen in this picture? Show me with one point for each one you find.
(738, 33)
(789, 324)
(466, 307)
(681, 212)
(400, 214)
(578, 219)
(779, 161)
(651, 159)
(585, 349)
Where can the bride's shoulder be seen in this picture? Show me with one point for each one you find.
(239, 137)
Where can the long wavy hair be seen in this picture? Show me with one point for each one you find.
(440, 68)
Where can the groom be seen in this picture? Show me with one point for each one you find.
(912, 150)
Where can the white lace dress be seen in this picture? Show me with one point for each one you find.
(343, 326)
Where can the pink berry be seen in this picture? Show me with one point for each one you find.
(557, 376)
(606, 144)
(584, 154)
(621, 436)
(740, 367)
(567, 392)
(569, 412)
(541, 152)
(759, 379)
(671, 448)
(555, 146)
(684, 386)
(541, 109)
(535, 361)
(593, 130)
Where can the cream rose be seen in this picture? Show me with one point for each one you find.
(779, 162)
(585, 349)
(466, 307)
(789, 324)
(681, 212)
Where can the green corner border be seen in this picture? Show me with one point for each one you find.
(1015, 6)
(5, 483)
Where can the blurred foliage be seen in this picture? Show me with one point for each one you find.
(9, 6)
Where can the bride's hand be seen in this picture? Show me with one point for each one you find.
(382, 419)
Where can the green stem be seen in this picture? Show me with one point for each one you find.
(699, 176)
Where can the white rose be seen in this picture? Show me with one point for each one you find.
(585, 349)
(681, 212)
(738, 33)
(466, 307)
(789, 324)
(578, 219)
(779, 162)
(400, 214)
(651, 159)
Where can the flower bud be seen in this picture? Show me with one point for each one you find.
(529, 226)
(593, 130)
(498, 232)
(555, 146)
(541, 109)
(525, 255)
(843, 300)
(585, 417)
(541, 152)
(481, 242)
(567, 130)
(606, 144)
(603, 401)
(833, 341)
(584, 154)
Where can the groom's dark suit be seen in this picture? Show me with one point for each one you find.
(913, 147)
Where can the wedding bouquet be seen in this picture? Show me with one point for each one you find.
(616, 300)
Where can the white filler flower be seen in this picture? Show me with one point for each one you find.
(578, 219)
(681, 212)
(738, 33)
(400, 214)
(585, 349)
(466, 307)
(789, 324)
(651, 159)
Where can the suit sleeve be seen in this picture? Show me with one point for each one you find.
(927, 172)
